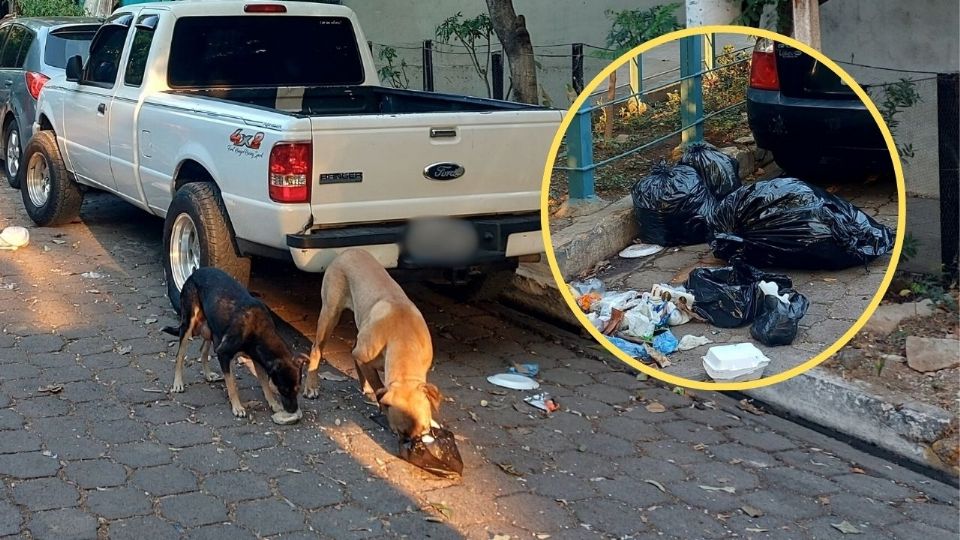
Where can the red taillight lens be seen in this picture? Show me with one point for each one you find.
(264, 8)
(763, 67)
(290, 171)
(35, 82)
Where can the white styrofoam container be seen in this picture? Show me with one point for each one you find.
(739, 362)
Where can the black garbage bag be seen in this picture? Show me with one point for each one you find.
(728, 296)
(788, 223)
(670, 205)
(720, 172)
(777, 323)
(437, 454)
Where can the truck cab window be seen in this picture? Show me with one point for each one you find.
(105, 51)
(139, 51)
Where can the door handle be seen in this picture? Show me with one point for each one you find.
(102, 108)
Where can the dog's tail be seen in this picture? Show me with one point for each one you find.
(172, 330)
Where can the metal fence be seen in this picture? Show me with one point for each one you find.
(697, 58)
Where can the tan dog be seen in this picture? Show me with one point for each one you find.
(391, 336)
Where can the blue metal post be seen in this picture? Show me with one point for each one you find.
(691, 88)
(580, 156)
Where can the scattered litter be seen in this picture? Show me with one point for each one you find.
(509, 469)
(513, 381)
(691, 341)
(756, 529)
(124, 349)
(328, 376)
(631, 349)
(746, 405)
(720, 172)
(543, 402)
(150, 321)
(670, 206)
(846, 527)
(530, 370)
(655, 407)
(284, 418)
(51, 389)
(153, 390)
(8, 286)
(294, 471)
(726, 489)
(656, 484)
(588, 286)
(443, 509)
(58, 241)
(727, 296)
(92, 275)
(788, 223)
(658, 358)
(751, 511)
(665, 342)
(635, 251)
(14, 237)
(738, 362)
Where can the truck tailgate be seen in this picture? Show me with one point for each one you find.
(381, 168)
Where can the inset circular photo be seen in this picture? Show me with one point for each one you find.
(729, 216)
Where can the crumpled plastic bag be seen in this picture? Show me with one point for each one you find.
(720, 172)
(665, 343)
(727, 297)
(777, 322)
(610, 301)
(788, 223)
(670, 206)
(638, 325)
(14, 237)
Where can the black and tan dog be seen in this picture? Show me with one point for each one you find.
(216, 307)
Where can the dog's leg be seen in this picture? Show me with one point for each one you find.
(368, 348)
(268, 392)
(333, 294)
(208, 373)
(186, 333)
(227, 351)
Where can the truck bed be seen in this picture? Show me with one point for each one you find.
(353, 100)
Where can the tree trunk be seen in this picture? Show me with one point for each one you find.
(512, 32)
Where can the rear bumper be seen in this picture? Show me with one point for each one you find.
(813, 127)
(501, 237)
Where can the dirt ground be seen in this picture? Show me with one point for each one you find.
(837, 298)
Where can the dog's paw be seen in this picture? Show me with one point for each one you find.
(177, 387)
(213, 377)
(311, 393)
(239, 411)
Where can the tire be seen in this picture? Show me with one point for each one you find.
(13, 154)
(197, 233)
(49, 195)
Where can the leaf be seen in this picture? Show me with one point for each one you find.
(442, 508)
(51, 389)
(756, 529)
(751, 511)
(846, 527)
(655, 484)
(294, 471)
(857, 470)
(745, 405)
(656, 407)
(726, 489)
(328, 376)
(509, 469)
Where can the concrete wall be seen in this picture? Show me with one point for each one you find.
(406, 23)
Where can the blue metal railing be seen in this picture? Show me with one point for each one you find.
(581, 167)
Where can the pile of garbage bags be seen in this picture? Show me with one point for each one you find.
(783, 222)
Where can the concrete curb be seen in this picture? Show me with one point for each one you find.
(581, 245)
(895, 423)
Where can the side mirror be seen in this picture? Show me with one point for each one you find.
(74, 68)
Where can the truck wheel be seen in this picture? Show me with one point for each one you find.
(14, 151)
(49, 195)
(197, 233)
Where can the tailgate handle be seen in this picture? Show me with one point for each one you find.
(442, 133)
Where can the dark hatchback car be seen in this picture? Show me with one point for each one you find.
(812, 122)
(32, 50)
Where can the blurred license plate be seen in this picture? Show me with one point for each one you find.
(441, 241)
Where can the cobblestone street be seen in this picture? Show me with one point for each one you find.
(93, 445)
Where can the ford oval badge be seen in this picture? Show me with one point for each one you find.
(444, 171)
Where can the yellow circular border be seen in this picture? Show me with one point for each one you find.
(555, 268)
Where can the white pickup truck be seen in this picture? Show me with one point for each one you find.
(259, 128)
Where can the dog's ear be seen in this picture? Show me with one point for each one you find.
(433, 395)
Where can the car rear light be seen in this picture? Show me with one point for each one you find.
(264, 8)
(290, 171)
(763, 66)
(35, 82)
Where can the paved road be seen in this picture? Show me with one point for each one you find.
(112, 455)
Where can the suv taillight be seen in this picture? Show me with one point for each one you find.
(290, 171)
(35, 82)
(763, 66)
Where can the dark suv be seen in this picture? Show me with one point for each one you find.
(811, 121)
(32, 50)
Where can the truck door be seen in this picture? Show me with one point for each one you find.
(86, 115)
(124, 112)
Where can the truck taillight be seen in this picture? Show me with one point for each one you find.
(290, 171)
(763, 66)
(35, 82)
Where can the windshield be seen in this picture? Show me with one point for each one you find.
(263, 51)
(64, 43)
